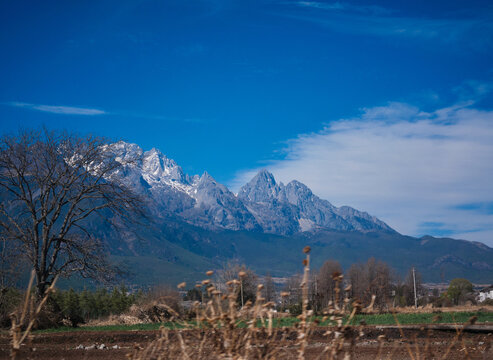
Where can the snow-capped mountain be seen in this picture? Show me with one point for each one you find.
(261, 205)
(299, 208)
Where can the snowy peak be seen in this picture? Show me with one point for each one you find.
(124, 151)
(264, 175)
(206, 177)
(297, 193)
(157, 167)
(148, 170)
(262, 188)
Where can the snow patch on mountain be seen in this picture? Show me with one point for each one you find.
(306, 225)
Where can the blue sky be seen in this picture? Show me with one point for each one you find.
(382, 105)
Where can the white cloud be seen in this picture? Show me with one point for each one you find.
(413, 169)
(56, 109)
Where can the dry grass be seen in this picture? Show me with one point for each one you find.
(24, 318)
(224, 331)
(147, 313)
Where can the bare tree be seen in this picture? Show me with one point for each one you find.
(51, 185)
(11, 263)
(371, 278)
(292, 289)
(326, 283)
(249, 280)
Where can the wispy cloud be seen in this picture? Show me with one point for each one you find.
(190, 49)
(344, 6)
(379, 21)
(411, 168)
(319, 5)
(58, 109)
(72, 110)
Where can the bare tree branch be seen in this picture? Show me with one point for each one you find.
(51, 185)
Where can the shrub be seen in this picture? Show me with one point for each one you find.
(71, 308)
(458, 290)
(442, 301)
(487, 302)
(295, 309)
(160, 295)
(78, 307)
(9, 299)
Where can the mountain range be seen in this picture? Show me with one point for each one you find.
(197, 224)
(260, 205)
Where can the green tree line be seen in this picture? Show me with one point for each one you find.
(85, 305)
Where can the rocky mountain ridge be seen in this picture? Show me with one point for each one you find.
(261, 205)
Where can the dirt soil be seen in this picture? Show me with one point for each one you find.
(78, 345)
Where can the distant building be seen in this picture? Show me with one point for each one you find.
(486, 293)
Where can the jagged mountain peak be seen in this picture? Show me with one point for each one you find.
(296, 192)
(123, 150)
(206, 177)
(263, 178)
(298, 187)
(159, 159)
(296, 183)
(266, 175)
(261, 188)
(157, 167)
(155, 151)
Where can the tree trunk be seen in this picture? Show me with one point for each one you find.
(41, 285)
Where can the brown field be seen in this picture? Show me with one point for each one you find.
(474, 344)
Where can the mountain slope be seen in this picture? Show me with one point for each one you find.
(194, 250)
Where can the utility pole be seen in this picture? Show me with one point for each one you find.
(415, 297)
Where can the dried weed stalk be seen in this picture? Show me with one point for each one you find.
(221, 330)
(24, 319)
